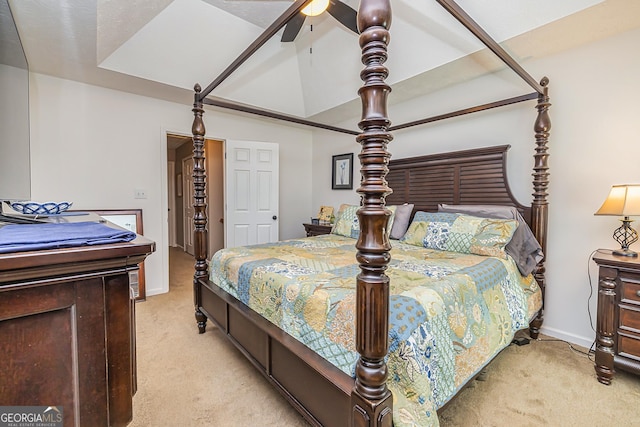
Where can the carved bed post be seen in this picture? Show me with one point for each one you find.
(199, 205)
(371, 401)
(540, 203)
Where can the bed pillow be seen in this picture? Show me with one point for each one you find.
(401, 221)
(460, 233)
(347, 222)
(523, 247)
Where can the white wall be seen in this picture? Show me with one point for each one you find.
(15, 181)
(95, 146)
(593, 145)
(325, 145)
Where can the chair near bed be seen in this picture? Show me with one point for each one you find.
(322, 393)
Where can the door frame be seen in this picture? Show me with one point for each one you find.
(214, 149)
(171, 194)
(188, 195)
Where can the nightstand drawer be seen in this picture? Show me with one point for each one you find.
(629, 346)
(630, 292)
(630, 318)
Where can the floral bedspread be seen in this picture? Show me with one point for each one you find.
(450, 313)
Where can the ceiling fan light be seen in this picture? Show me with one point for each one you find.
(316, 7)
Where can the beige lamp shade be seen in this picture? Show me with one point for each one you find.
(316, 7)
(623, 200)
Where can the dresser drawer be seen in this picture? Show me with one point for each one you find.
(629, 346)
(630, 318)
(630, 292)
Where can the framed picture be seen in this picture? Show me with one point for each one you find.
(325, 214)
(342, 172)
(131, 219)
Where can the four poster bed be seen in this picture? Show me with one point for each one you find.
(356, 328)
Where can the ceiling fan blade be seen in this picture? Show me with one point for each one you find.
(292, 28)
(344, 14)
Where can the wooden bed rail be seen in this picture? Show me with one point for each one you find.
(449, 5)
(476, 109)
(471, 25)
(228, 105)
(282, 20)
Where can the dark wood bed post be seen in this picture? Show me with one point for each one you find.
(540, 204)
(199, 206)
(371, 401)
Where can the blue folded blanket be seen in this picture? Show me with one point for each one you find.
(32, 237)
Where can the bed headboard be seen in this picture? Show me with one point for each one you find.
(469, 177)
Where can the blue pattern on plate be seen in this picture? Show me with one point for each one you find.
(35, 208)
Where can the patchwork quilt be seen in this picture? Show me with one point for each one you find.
(450, 313)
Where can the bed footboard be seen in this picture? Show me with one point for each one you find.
(317, 389)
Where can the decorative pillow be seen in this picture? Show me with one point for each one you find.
(460, 233)
(347, 222)
(401, 221)
(523, 247)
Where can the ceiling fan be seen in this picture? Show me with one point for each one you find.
(340, 11)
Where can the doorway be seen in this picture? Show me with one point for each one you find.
(179, 148)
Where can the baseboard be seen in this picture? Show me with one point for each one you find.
(153, 292)
(585, 342)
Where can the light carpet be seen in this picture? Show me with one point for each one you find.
(188, 379)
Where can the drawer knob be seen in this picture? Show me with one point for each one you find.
(638, 293)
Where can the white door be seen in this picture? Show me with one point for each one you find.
(187, 203)
(251, 193)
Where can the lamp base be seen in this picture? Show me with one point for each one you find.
(625, 236)
(625, 252)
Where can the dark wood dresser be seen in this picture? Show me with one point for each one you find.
(67, 331)
(316, 229)
(618, 324)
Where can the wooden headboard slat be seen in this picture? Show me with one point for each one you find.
(469, 177)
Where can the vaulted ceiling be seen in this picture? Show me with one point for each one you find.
(161, 48)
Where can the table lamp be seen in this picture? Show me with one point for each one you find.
(623, 200)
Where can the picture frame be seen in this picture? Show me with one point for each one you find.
(325, 214)
(130, 219)
(342, 172)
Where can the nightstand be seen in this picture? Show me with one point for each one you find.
(618, 324)
(317, 229)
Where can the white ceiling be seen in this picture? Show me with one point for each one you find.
(161, 48)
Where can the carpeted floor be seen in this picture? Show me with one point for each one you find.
(188, 379)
